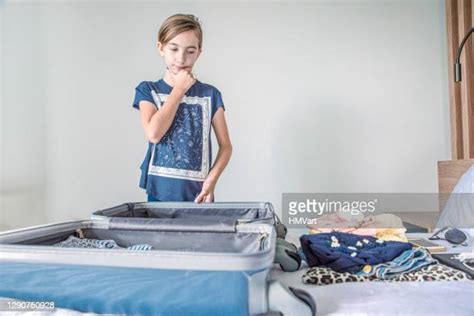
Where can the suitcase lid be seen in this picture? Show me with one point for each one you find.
(240, 212)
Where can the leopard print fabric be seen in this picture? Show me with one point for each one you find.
(434, 272)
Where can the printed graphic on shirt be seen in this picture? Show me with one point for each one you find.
(183, 152)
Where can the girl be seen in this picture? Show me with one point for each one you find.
(176, 113)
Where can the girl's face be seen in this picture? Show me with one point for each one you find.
(180, 52)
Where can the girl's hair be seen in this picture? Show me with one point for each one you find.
(177, 24)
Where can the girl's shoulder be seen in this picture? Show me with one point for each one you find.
(207, 87)
(158, 86)
(147, 84)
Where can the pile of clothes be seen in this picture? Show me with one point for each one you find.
(337, 257)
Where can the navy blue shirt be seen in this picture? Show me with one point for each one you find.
(175, 168)
(352, 253)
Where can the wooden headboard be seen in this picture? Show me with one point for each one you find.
(449, 173)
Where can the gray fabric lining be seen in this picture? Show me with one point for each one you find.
(174, 224)
(221, 242)
(144, 210)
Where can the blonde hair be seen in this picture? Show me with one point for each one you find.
(177, 24)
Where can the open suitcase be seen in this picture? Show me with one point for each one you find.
(241, 212)
(139, 213)
(196, 267)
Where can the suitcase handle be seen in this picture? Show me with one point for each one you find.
(173, 224)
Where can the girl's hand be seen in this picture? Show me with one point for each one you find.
(207, 192)
(184, 79)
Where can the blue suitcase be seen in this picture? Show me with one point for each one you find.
(196, 267)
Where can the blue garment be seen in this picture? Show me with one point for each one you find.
(409, 260)
(151, 198)
(345, 252)
(175, 168)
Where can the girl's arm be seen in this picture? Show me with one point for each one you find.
(156, 123)
(223, 156)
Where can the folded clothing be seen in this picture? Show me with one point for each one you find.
(382, 226)
(344, 252)
(433, 272)
(409, 260)
(74, 242)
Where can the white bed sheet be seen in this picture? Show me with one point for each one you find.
(377, 298)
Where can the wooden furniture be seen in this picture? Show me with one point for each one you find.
(449, 173)
(459, 19)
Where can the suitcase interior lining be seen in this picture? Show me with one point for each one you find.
(163, 240)
(237, 213)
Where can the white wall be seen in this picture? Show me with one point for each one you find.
(22, 191)
(324, 96)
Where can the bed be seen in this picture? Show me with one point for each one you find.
(377, 298)
(402, 298)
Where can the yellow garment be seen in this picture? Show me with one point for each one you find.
(393, 234)
(395, 231)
